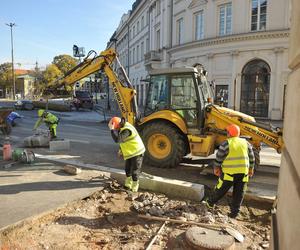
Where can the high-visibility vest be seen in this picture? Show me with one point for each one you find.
(50, 119)
(133, 145)
(237, 160)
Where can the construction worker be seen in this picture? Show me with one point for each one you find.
(234, 165)
(131, 147)
(49, 119)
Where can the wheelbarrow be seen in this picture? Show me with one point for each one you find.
(5, 127)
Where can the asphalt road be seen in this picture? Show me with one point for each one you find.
(91, 143)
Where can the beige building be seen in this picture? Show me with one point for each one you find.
(25, 86)
(242, 44)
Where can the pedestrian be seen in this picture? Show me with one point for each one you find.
(49, 119)
(131, 147)
(234, 165)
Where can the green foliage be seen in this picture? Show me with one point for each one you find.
(5, 74)
(64, 63)
(51, 74)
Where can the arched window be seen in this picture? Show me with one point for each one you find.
(255, 88)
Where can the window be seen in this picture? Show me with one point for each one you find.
(138, 53)
(133, 56)
(157, 98)
(225, 21)
(184, 98)
(147, 45)
(255, 88)
(142, 95)
(158, 39)
(258, 15)
(221, 95)
(133, 31)
(137, 92)
(179, 28)
(138, 27)
(130, 34)
(199, 25)
(130, 60)
(142, 50)
(158, 8)
(142, 22)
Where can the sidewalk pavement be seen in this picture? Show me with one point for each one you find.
(28, 190)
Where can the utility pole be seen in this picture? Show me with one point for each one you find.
(12, 58)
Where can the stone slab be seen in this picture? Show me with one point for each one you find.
(170, 187)
(59, 145)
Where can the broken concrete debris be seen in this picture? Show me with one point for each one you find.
(72, 169)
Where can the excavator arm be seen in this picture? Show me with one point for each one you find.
(123, 90)
(218, 118)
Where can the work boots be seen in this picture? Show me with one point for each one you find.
(128, 182)
(135, 186)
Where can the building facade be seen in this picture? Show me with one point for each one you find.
(25, 85)
(242, 44)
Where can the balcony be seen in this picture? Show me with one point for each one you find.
(152, 59)
(153, 55)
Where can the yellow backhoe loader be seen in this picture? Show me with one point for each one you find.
(179, 116)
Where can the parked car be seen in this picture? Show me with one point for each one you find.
(83, 99)
(24, 104)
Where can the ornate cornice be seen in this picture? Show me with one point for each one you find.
(196, 3)
(233, 38)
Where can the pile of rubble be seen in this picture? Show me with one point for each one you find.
(111, 219)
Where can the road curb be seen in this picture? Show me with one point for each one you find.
(170, 187)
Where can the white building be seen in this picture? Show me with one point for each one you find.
(243, 44)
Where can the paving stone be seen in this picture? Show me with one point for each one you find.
(59, 145)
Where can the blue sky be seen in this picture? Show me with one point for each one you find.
(46, 28)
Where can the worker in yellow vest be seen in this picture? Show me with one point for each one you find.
(234, 165)
(131, 147)
(49, 119)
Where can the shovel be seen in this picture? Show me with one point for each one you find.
(231, 231)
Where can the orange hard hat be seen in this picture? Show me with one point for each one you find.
(233, 130)
(114, 122)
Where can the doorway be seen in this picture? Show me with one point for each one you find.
(255, 88)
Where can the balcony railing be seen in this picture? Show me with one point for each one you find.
(153, 55)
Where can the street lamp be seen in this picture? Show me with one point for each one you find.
(12, 58)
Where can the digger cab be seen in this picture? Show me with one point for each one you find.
(182, 90)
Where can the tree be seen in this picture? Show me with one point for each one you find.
(51, 74)
(5, 74)
(64, 63)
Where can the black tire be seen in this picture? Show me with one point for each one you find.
(178, 147)
(257, 157)
(6, 129)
